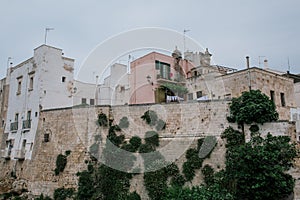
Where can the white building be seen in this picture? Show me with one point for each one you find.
(115, 89)
(42, 82)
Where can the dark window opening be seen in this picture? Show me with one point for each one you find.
(46, 137)
(83, 101)
(272, 94)
(282, 99)
(92, 102)
(63, 79)
(199, 94)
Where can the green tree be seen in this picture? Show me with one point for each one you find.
(252, 107)
(256, 169)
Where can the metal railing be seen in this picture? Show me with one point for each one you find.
(26, 124)
(20, 154)
(14, 126)
(5, 153)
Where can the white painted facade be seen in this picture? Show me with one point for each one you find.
(42, 82)
(84, 93)
(115, 89)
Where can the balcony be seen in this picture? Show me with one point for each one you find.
(178, 80)
(14, 126)
(20, 154)
(26, 124)
(5, 153)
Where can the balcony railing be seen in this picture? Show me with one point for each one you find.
(14, 126)
(26, 124)
(5, 153)
(20, 154)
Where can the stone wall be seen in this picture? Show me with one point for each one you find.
(75, 129)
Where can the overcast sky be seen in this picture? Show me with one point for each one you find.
(231, 29)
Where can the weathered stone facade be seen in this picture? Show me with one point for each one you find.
(74, 129)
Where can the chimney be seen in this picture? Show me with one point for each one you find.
(248, 63)
(266, 64)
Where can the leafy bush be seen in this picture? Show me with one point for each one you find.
(136, 142)
(124, 123)
(254, 128)
(150, 117)
(102, 120)
(161, 125)
(152, 138)
(208, 173)
(63, 193)
(61, 162)
(252, 106)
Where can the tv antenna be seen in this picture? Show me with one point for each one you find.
(46, 31)
(184, 31)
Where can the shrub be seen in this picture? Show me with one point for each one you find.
(63, 193)
(102, 120)
(124, 123)
(61, 162)
(161, 125)
(151, 137)
(150, 117)
(136, 142)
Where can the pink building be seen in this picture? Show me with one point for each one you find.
(150, 74)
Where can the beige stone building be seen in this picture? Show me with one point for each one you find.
(215, 83)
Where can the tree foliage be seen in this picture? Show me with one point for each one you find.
(256, 169)
(252, 106)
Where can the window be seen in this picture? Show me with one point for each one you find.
(190, 96)
(36, 114)
(92, 102)
(195, 73)
(199, 94)
(63, 79)
(83, 101)
(16, 117)
(46, 137)
(19, 80)
(31, 77)
(31, 83)
(29, 115)
(272, 95)
(282, 98)
(164, 69)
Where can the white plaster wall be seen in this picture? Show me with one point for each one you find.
(53, 92)
(84, 90)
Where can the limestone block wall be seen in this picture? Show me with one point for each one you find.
(74, 129)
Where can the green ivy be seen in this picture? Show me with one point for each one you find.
(150, 117)
(208, 173)
(136, 142)
(124, 123)
(102, 120)
(152, 138)
(63, 193)
(61, 162)
(161, 125)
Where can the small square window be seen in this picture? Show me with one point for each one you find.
(92, 102)
(83, 101)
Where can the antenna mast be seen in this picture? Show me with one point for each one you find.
(184, 31)
(46, 31)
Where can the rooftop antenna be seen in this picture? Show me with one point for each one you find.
(259, 61)
(289, 67)
(184, 31)
(8, 63)
(46, 31)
